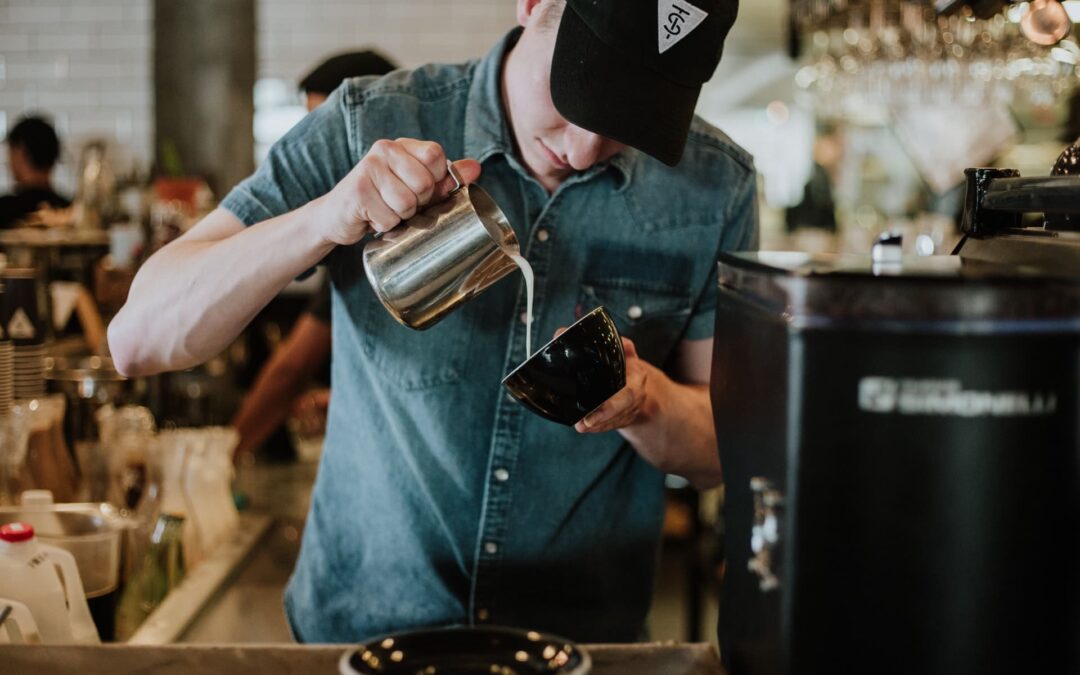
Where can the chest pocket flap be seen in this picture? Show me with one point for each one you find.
(649, 295)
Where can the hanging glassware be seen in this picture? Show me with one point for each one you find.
(861, 53)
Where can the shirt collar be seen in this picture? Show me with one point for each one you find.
(624, 164)
(486, 130)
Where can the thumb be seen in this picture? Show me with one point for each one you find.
(468, 170)
(629, 349)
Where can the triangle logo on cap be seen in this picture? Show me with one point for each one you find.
(675, 19)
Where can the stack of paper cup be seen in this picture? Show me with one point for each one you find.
(7, 376)
(29, 381)
(23, 323)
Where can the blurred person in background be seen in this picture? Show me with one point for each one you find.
(818, 209)
(282, 383)
(328, 75)
(33, 150)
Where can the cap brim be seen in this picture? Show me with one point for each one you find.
(596, 88)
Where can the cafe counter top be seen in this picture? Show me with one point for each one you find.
(635, 659)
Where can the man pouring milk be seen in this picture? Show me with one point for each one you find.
(440, 500)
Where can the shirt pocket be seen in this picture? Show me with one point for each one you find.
(393, 353)
(412, 359)
(652, 314)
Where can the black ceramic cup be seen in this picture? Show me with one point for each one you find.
(572, 375)
(459, 650)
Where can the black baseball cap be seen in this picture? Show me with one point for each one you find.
(632, 70)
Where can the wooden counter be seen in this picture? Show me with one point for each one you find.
(638, 659)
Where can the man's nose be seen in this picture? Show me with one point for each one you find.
(584, 148)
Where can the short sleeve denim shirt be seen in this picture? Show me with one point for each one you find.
(439, 499)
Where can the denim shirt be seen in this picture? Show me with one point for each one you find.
(439, 499)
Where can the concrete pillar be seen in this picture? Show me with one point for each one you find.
(204, 80)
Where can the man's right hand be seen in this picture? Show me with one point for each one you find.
(390, 184)
(192, 298)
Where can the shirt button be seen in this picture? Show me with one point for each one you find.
(482, 615)
(634, 312)
(542, 235)
(491, 548)
(501, 475)
(524, 317)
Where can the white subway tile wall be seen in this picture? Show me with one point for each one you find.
(85, 63)
(88, 63)
(294, 36)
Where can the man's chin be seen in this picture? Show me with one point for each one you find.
(543, 170)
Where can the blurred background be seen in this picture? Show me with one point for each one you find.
(861, 116)
(872, 106)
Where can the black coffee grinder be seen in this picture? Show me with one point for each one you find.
(900, 441)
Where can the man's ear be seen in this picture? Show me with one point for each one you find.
(525, 9)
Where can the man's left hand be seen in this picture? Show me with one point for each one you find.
(629, 404)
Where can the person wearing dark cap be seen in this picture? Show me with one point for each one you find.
(33, 150)
(439, 499)
(304, 352)
(328, 75)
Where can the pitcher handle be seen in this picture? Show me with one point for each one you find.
(82, 624)
(458, 184)
(18, 621)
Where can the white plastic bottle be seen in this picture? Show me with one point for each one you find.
(46, 580)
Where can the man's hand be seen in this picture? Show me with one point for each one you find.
(668, 423)
(308, 414)
(390, 184)
(627, 406)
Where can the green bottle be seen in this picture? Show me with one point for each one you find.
(162, 566)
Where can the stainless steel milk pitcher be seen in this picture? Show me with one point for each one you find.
(430, 264)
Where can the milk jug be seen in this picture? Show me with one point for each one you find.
(46, 580)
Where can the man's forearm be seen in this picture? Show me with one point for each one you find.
(268, 404)
(192, 298)
(281, 381)
(676, 432)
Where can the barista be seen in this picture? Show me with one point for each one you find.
(439, 500)
(306, 349)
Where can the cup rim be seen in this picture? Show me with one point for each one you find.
(599, 309)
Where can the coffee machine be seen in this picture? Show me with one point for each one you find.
(900, 441)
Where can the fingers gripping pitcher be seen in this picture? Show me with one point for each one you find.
(452, 251)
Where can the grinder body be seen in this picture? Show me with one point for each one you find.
(900, 451)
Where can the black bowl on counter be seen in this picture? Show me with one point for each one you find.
(462, 651)
(575, 373)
